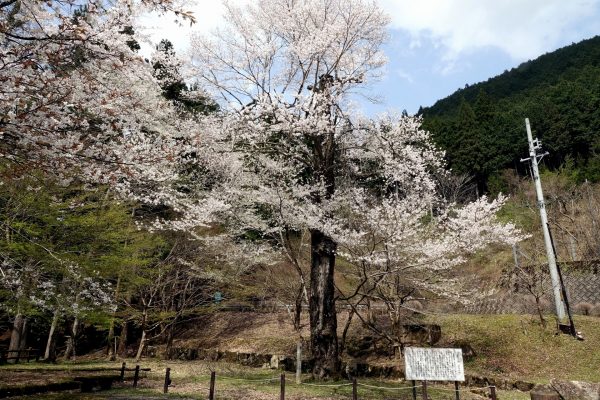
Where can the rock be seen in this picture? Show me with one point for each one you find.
(253, 360)
(481, 393)
(418, 334)
(544, 392)
(229, 356)
(574, 390)
(468, 351)
(523, 386)
(277, 361)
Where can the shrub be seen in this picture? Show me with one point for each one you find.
(583, 308)
(595, 311)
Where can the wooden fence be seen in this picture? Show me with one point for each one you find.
(19, 355)
(354, 383)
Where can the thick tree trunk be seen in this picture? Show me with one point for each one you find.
(50, 353)
(323, 319)
(17, 335)
(71, 343)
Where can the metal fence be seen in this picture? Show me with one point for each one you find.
(519, 287)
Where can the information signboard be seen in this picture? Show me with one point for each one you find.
(426, 364)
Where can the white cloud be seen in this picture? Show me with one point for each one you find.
(523, 29)
(208, 14)
(404, 75)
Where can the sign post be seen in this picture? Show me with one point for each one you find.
(425, 364)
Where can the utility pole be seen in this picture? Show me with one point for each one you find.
(535, 145)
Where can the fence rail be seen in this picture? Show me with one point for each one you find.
(18, 355)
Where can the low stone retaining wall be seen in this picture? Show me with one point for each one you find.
(349, 368)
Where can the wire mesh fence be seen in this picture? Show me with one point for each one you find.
(528, 290)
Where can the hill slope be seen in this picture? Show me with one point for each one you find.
(481, 127)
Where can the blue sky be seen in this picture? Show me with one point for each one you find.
(438, 46)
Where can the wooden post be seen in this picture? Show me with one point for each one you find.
(456, 390)
(282, 395)
(515, 251)
(493, 392)
(424, 384)
(299, 363)
(37, 355)
(167, 380)
(573, 248)
(18, 356)
(211, 390)
(122, 372)
(414, 388)
(136, 376)
(354, 390)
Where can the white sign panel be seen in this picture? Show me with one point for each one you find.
(424, 364)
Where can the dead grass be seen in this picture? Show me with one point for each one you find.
(191, 381)
(508, 346)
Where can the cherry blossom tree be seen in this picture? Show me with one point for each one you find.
(76, 100)
(287, 159)
(79, 103)
(359, 189)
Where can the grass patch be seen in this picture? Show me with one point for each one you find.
(191, 381)
(517, 347)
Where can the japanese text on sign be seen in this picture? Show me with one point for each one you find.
(423, 364)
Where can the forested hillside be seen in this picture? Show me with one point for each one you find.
(482, 127)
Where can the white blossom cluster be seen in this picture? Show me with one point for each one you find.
(286, 156)
(66, 291)
(303, 163)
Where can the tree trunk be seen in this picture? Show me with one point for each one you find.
(110, 346)
(538, 305)
(16, 336)
(298, 310)
(143, 340)
(122, 348)
(110, 350)
(169, 345)
(50, 353)
(141, 346)
(24, 329)
(70, 351)
(323, 319)
(345, 331)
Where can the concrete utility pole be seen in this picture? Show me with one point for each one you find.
(535, 145)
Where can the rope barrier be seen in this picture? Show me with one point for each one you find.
(331, 386)
(386, 388)
(249, 380)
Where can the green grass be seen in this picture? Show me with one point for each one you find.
(517, 347)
